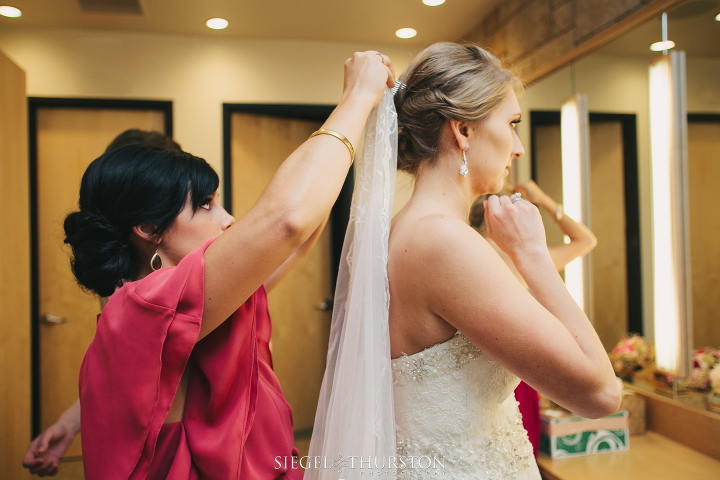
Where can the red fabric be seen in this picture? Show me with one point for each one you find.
(530, 411)
(236, 420)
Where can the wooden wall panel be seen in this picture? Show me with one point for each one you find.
(14, 272)
(556, 33)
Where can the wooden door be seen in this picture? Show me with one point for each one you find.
(301, 328)
(15, 310)
(68, 139)
(703, 178)
(607, 213)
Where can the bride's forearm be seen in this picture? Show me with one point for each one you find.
(548, 288)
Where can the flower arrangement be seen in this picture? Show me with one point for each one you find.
(714, 379)
(632, 353)
(706, 360)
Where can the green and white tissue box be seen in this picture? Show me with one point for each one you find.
(571, 436)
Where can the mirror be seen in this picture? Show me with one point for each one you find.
(615, 78)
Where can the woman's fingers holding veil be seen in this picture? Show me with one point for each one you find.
(367, 74)
(515, 227)
(386, 61)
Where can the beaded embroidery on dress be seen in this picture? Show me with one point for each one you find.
(455, 404)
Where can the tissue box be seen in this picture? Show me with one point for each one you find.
(572, 436)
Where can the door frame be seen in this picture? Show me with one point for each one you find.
(340, 213)
(34, 104)
(628, 123)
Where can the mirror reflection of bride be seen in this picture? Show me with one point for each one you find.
(462, 329)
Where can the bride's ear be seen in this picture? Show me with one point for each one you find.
(460, 133)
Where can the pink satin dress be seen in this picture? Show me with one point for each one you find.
(236, 423)
(530, 411)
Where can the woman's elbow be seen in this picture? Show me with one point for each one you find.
(603, 403)
(291, 226)
(592, 242)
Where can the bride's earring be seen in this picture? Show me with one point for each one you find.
(156, 261)
(463, 167)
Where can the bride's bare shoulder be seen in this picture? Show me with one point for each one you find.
(433, 235)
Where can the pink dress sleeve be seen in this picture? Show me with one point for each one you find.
(146, 338)
(133, 366)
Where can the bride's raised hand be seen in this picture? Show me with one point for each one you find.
(516, 228)
(367, 74)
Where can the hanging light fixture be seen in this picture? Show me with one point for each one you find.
(665, 44)
(575, 139)
(671, 247)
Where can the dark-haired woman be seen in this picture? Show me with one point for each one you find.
(45, 451)
(178, 381)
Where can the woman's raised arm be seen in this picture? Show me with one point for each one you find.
(546, 340)
(298, 198)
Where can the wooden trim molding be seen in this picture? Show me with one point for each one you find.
(602, 38)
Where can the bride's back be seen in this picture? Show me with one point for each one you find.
(413, 326)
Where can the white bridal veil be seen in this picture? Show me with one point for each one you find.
(354, 429)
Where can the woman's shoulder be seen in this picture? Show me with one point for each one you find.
(173, 288)
(433, 234)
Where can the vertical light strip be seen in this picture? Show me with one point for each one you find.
(576, 192)
(668, 149)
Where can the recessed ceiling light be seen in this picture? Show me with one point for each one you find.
(11, 12)
(660, 46)
(717, 17)
(217, 23)
(406, 33)
(433, 3)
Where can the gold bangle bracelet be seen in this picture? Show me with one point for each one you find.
(341, 137)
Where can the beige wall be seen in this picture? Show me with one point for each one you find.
(619, 84)
(198, 73)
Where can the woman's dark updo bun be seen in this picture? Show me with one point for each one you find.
(126, 187)
(446, 81)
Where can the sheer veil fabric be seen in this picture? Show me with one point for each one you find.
(354, 430)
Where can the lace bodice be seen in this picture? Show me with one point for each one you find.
(455, 406)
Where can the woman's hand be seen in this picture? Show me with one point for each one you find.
(516, 228)
(45, 452)
(366, 76)
(532, 193)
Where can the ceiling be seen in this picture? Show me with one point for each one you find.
(361, 21)
(691, 26)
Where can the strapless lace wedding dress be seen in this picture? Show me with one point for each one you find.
(457, 418)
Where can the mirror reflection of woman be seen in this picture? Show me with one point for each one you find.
(462, 327)
(178, 381)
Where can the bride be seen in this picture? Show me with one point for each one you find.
(462, 329)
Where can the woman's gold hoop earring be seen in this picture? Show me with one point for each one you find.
(154, 260)
(464, 167)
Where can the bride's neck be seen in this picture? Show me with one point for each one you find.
(441, 184)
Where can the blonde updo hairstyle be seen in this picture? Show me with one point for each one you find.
(446, 81)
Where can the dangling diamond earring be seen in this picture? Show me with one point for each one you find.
(463, 167)
(155, 259)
